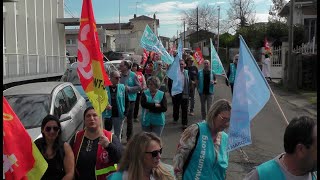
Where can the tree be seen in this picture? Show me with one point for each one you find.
(241, 13)
(207, 18)
(275, 9)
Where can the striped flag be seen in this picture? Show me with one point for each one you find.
(21, 157)
(90, 69)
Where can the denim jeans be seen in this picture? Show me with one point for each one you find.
(117, 126)
(205, 99)
(153, 128)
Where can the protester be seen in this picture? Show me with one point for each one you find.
(132, 85)
(141, 160)
(205, 89)
(136, 69)
(96, 151)
(161, 74)
(58, 154)
(202, 149)
(231, 73)
(299, 161)
(148, 67)
(117, 109)
(266, 67)
(154, 106)
(181, 99)
(193, 72)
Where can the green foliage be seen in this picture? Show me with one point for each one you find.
(227, 40)
(298, 35)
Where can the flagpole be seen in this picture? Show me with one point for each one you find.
(265, 82)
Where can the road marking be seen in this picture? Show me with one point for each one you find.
(245, 156)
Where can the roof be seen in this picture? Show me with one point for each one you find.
(69, 21)
(143, 17)
(115, 26)
(33, 88)
(165, 38)
(284, 12)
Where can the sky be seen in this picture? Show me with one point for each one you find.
(169, 13)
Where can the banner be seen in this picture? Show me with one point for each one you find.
(198, 56)
(174, 72)
(216, 65)
(267, 49)
(145, 57)
(250, 94)
(150, 42)
(21, 157)
(90, 69)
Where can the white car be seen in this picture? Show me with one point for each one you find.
(32, 102)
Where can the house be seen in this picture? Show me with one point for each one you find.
(33, 40)
(186, 38)
(305, 13)
(165, 41)
(201, 39)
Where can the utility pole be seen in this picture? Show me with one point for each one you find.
(184, 34)
(197, 25)
(218, 29)
(290, 64)
(119, 28)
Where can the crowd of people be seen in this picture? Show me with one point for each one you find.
(96, 152)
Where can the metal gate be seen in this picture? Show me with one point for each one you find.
(276, 63)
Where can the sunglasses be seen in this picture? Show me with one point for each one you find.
(223, 118)
(55, 128)
(116, 77)
(155, 153)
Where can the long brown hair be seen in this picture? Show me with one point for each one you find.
(132, 158)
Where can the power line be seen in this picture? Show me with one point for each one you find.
(68, 10)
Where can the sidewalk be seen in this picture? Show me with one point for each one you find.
(295, 99)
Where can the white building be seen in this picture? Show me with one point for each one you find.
(33, 40)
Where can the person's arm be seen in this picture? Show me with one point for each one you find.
(68, 162)
(163, 106)
(137, 87)
(115, 149)
(185, 146)
(145, 104)
(252, 175)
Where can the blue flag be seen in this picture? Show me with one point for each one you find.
(174, 72)
(216, 65)
(250, 94)
(150, 42)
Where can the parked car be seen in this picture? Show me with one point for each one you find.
(32, 102)
(111, 55)
(113, 65)
(71, 76)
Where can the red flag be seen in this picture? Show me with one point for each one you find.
(91, 71)
(198, 56)
(145, 57)
(172, 49)
(21, 157)
(267, 48)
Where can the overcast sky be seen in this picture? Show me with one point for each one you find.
(168, 12)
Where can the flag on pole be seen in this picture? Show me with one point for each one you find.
(198, 56)
(174, 72)
(216, 65)
(21, 157)
(150, 42)
(90, 69)
(250, 94)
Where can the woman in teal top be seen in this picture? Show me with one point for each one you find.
(141, 160)
(202, 150)
(154, 106)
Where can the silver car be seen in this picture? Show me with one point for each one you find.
(32, 102)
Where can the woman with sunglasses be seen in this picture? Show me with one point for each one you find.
(141, 160)
(58, 154)
(204, 145)
(161, 74)
(96, 150)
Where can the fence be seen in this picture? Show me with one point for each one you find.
(24, 65)
(308, 48)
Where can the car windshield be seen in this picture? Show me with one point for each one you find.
(30, 109)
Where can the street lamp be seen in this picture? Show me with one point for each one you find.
(119, 27)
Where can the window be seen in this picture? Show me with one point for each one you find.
(60, 105)
(71, 96)
(71, 41)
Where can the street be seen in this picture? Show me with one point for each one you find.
(266, 131)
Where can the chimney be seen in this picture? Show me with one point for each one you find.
(134, 16)
(154, 16)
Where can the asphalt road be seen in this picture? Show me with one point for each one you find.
(266, 131)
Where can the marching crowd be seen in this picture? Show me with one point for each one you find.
(97, 153)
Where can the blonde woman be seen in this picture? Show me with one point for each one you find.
(141, 160)
(204, 145)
